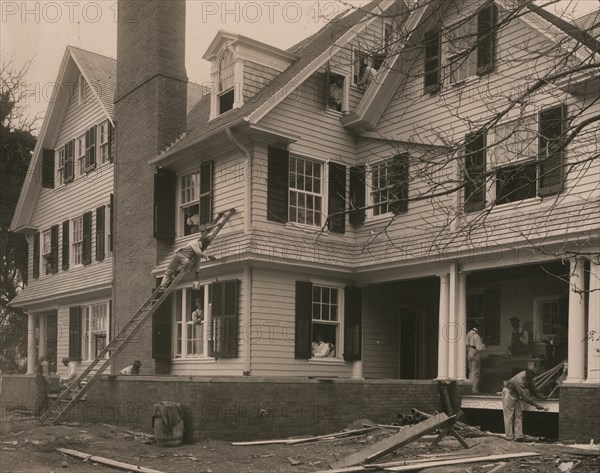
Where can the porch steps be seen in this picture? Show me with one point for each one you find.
(77, 390)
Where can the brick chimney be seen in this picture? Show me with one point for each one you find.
(150, 113)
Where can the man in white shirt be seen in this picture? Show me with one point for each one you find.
(71, 372)
(475, 346)
(132, 369)
(182, 259)
(321, 348)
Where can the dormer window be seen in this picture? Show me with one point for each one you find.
(226, 82)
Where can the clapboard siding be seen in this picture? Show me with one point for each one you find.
(256, 76)
(66, 202)
(272, 347)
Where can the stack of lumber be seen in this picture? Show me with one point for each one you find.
(551, 379)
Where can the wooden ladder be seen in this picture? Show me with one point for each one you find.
(85, 380)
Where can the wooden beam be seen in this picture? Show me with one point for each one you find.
(406, 435)
(305, 439)
(107, 461)
(460, 461)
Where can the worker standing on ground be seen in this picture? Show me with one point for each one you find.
(475, 346)
(183, 258)
(42, 381)
(519, 388)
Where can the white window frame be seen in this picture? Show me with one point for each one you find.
(500, 149)
(345, 93)
(339, 324)
(182, 326)
(538, 322)
(60, 165)
(82, 94)
(187, 200)
(77, 241)
(90, 330)
(457, 53)
(317, 222)
(46, 244)
(79, 156)
(102, 133)
(371, 190)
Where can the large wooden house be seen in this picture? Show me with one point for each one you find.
(396, 176)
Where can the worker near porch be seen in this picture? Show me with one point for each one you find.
(42, 382)
(183, 258)
(519, 388)
(475, 347)
(71, 372)
(519, 338)
(132, 369)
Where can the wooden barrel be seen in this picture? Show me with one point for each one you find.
(168, 437)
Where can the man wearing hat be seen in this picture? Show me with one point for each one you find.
(475, 346)
(132, 369)
(516, 389)
(183, 258)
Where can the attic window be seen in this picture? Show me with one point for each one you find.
(337, 93)
(81, 90)
(226, 82)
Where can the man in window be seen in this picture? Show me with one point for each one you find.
(336, 92)
(367, 75)
(321, 349)
(183, 258)
(193, 219)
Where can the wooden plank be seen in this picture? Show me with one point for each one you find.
(460, 461)
(305, 439)
(389, 444)
(107, 461)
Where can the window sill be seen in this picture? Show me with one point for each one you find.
(532, 202)
(189, 360)
(335, 113)
(375, 219)
(306, 228)
(463, 83)
(326, 361)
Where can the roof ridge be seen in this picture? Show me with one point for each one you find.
(70, 46)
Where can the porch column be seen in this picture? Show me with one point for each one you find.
(31, 354)
(593, 341)
(452, 330)
(461, 321)
(443, 324)
(43, 340)
(577, 335)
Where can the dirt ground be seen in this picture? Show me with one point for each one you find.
(34, 450)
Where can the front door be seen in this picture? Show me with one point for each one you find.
(409, 336)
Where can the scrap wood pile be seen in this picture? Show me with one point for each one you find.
(549, 381)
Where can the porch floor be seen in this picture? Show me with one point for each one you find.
(494, 401)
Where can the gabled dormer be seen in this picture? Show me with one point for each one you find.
(241, 67)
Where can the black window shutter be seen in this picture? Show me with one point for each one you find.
(491, 316)
(75, 333)
(162, 330)
(400, 165)
(100, 236)
(352, 323)
(206, 191)
(48, 157)
(278, 184)
(357, 195)
(224, 299)
(86, 254)
(65, 245)
(432, 62)
(69, 161)
(486, 39)
(337, 198)
(165, 188)
(551, 151)
(474, 194)
(111, 222)
(303, 319)
(111, 138)
(90, 149)
(36, 255)
(54, 249)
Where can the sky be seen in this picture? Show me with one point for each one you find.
(40, 30)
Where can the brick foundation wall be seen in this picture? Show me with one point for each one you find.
(579, 417)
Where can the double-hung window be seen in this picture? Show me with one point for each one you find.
(305, 191)
(190, 322)
(226, 92)
(95, 329)
(389, 185)
(190, 202)
(462, 53)
(80, 155)
(47, 250)
(60, 168)
(325, 320)
(77, 245)
(103, 137)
